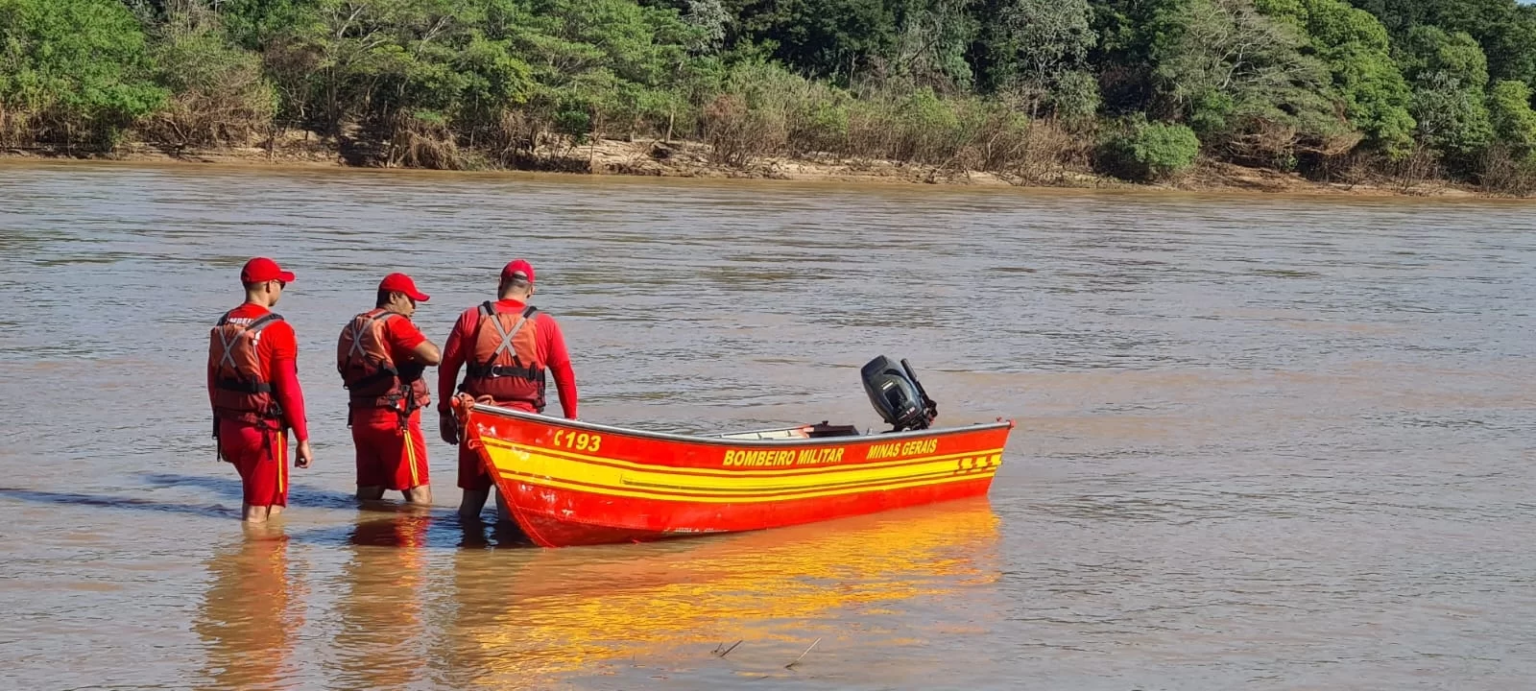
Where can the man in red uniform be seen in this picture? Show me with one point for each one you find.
(507, 344)
(253, 385)
(381, 356)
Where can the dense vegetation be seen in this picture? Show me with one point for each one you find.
(1334, 89)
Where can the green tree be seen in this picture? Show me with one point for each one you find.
(1510, 113)
(599, 63)
(1040, 48)
(1504, 29)
(254, 24)
(74, 70)
(1240, 80)
(1150, 151)
(1122, 58)
(709, 19)
(1355, 47)
(219, 92)
(824, 38)
(1449, 74)
(931, 44)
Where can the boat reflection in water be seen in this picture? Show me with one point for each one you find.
(251, 613)
(419, 603)
(603, 610)
(382, 604)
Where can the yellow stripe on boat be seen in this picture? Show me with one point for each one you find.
(538, 466)
(733, 473)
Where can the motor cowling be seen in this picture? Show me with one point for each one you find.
(896, 394)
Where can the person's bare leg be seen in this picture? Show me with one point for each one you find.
(255, 514)
(274, 510)
(503, 514)
(420, 494)
(370, 493)
(472, 504)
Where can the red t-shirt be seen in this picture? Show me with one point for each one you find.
(551, 345)
(402, 336)
(277, 349)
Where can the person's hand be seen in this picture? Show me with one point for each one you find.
(305, 456)
(449, 427)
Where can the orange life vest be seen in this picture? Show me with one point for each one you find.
(504, 360)
(369, 371)
(241, 390)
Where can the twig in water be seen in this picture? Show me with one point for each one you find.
(727, 651)
(802, 655)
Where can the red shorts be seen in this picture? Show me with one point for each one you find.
(260, 453)
(472, 473)
(387, 456)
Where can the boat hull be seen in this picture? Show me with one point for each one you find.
(571, 483)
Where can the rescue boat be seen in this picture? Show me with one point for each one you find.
(569, 482)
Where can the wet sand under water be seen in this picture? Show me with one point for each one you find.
(1263, 442)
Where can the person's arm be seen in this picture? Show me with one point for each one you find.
(448, 368)
(214, 413)
(284, 345)
(285, 386)
(406, 338)
(426, 353)
(559, 362)
(448, 377)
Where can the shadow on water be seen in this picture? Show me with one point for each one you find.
(404, 526)
(416, 528)
(229, 488)
(112, 502)
(494, 536)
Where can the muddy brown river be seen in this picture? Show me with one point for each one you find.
(1263, 442)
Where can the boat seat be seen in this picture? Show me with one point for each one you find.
(828, 430)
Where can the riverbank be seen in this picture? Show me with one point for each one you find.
(654, 158)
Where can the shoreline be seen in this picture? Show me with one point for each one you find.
(681, 159)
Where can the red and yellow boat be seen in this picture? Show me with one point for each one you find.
(568, 482)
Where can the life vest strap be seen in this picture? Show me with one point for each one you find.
(260, 322)
(483, 372)
(227, 359)
(357, 330)
(486, 370)
(237, 385)
(384, 374)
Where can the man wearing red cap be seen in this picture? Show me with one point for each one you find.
(381, 356)
(508, 344)
(253, 385)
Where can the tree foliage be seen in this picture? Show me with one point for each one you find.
(73, 70)
(1289, 84)
(1241, 80)
(1034, 44)
(1510, 113)
(1364, 78)
(1449, 75)
(1149, 151)
(1504, 29)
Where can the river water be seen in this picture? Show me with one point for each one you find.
(1263, 442)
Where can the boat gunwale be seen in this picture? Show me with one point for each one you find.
(845, 440)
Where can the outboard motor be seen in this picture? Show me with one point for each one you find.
(897, 396)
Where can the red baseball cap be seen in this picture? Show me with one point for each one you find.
(261, 269)
(518, 266)
(401, 283)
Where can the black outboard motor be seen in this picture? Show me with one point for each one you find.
(897, 396)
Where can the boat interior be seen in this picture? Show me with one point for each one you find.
(892, 389)
(821, 429)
